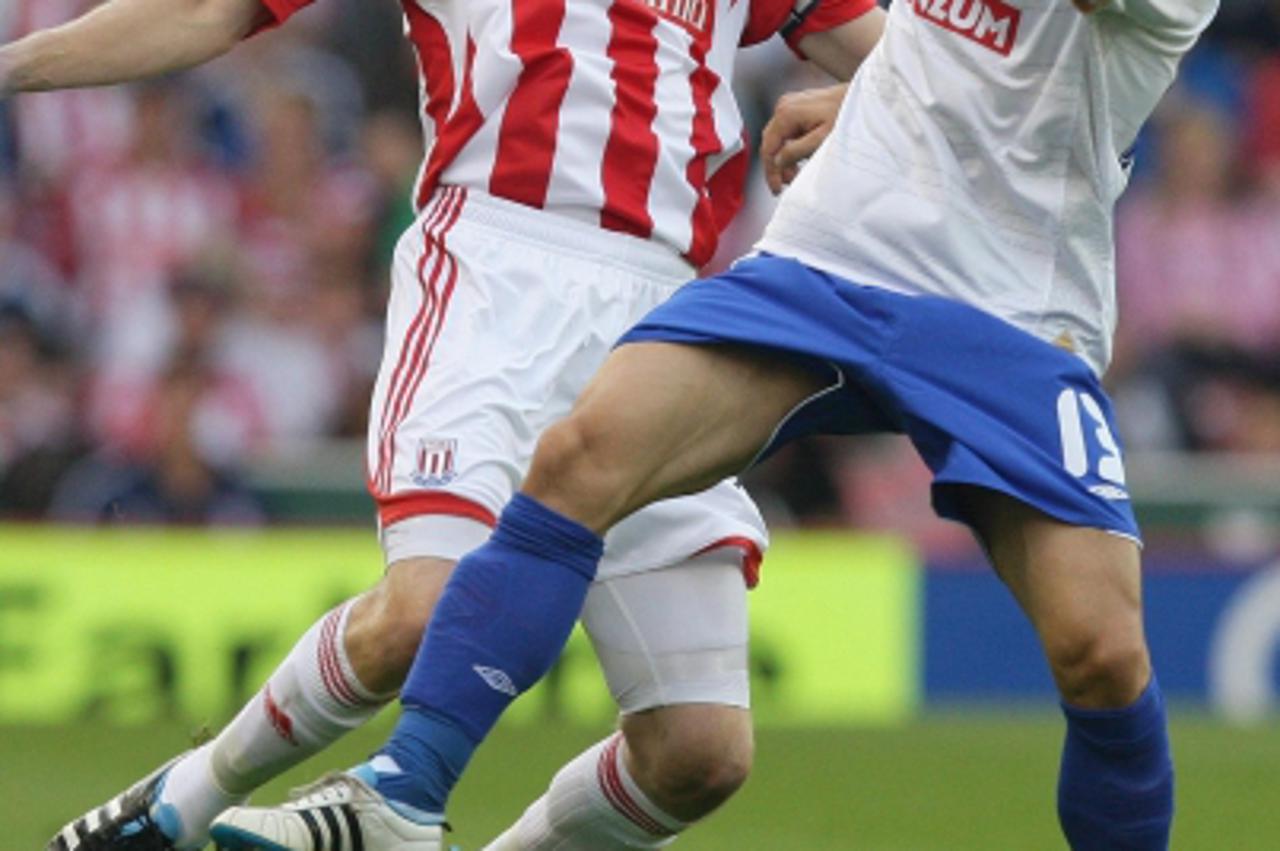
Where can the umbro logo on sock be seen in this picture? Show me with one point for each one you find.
(497, 680)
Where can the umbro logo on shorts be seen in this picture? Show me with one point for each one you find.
(990, 23)
(1109, 492)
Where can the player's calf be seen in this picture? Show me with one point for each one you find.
(641, 790)
(316, 695)
(1081, 588)
(1115, 786)
(673, 647)
(386, 624)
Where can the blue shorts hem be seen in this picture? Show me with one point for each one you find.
(948, 505)
(986, 403)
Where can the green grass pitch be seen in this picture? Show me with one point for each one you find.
(949, 782)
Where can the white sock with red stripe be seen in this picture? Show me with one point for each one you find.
(593, 804)
(308, 703)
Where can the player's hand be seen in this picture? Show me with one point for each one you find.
(800, 122)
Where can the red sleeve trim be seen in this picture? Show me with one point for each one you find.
(279, 11)
(828, 16)
(394, 509)
(764, 19)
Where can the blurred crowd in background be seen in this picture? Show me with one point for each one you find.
(193, 271)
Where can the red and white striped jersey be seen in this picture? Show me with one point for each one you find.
(616, 112)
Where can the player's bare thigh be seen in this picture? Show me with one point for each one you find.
(1082, 590)
(664, 419)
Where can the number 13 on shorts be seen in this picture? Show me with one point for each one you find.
(1086, 436)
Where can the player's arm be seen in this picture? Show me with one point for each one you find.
(837, 36)
(841, 50)
(124, 40)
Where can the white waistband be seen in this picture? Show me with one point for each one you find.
(510, 220)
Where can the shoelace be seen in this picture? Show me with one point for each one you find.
(333, 788)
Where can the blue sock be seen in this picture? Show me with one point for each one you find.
(505, 615)
(1115, 789)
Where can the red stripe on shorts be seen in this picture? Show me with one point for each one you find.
(414, 349)
(415, 342)
(434, 325)
(429, 220)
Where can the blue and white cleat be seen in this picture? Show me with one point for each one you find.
(340, 812)
(124, 823)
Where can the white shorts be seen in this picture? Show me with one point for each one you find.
(498, 317)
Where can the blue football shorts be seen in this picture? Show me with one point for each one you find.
(985, 403)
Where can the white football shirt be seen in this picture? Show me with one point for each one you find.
(979, 154)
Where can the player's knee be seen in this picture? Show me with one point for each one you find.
(1106, 667)
(564, 452)
(571, 464)
(701, 775)
(694, 770)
